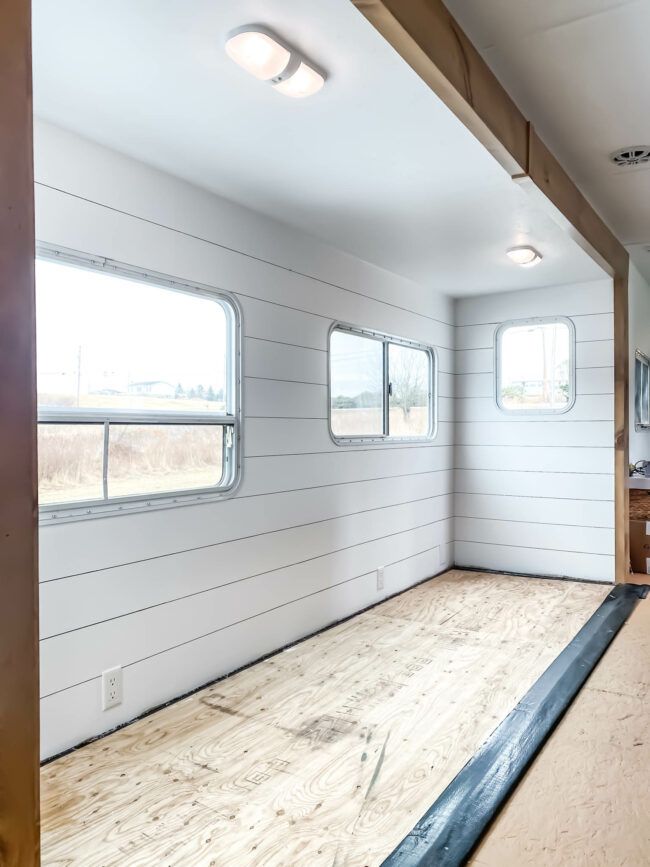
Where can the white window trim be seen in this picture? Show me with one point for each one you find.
(643, 358)
(82, 510)
(537, 320)
(385, 339)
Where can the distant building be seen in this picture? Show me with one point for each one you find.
(153, 388)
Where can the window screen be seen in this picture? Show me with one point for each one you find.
(380, 388)
(136, 387)
(535, 366)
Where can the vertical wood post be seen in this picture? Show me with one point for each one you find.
(19, 734)
(622, 425)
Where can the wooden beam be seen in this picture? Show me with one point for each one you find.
(574, 212)
(622, 426)
(429, 39)
(19, 733)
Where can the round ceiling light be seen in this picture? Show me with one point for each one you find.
(524, 255)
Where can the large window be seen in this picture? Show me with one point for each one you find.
(137, 387)
(535, 365)
(641, 391)
(380, 387)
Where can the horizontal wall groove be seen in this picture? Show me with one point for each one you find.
(357, 449)
(542, 420)
(530, 496)
(276, 379)
(250, 256)
(532, 548)
(339, 484)
(284, 343)
(246, 619)
(244, 538)
(287, 418)
(566, 315)
(537, 523)
(544, 472)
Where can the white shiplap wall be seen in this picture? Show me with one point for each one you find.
(181, 596)
(536, 495)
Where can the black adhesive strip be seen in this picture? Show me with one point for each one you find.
(448, 832)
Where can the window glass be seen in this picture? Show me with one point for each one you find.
(380, 387)
(408, 371)
(136, 392)
(642, 390)
(104, 341)
(172, 457)
(535, 366)
(356, 385)
(70, 462)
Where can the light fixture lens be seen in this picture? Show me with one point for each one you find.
(524, 255)
(304, 82)
(258, 54)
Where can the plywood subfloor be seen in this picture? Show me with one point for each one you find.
(585, 799)
(326, 754)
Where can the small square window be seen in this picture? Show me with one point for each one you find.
(535, 366)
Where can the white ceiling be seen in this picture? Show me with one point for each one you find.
(373, 164)
(580, 71)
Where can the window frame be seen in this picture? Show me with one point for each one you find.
(535, 320)
(386, 340)
(641, 358)
(230, 420)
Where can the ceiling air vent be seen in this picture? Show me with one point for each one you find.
(634, 155)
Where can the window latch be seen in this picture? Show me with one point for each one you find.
(390, 389)
(230, 438)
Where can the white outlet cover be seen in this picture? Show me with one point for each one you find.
(111, 687)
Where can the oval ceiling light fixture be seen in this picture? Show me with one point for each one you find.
(305, 81)
(524, 255)
(268, 58)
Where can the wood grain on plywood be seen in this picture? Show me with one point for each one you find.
(584, 799)
(327, 753)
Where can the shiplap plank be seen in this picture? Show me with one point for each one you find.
(572, 301)
(543, 510)
(538, 459)
(568, 486)
(584, 567)
(271, 398)
(552, 537)
(587, 408)
(570, 434)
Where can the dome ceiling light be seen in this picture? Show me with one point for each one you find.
(525, 256)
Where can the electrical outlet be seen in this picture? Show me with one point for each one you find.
(111, 687)
(380, 578)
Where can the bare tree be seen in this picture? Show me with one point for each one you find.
(408, 379)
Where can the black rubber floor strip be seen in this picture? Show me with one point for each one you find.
(448, 832)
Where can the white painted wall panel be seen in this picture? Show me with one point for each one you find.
(534, 493)
(590, 407)
(74, 714)
(532, 483)
(520, 561)
(183, 595)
